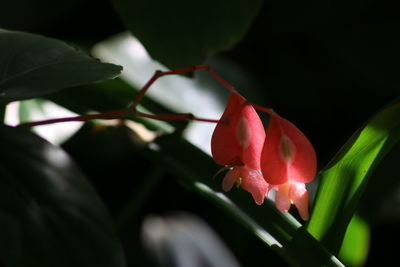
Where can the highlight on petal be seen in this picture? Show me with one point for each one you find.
(292, 193)
(287, 154)
(282, 200)
(299, 195)
(230, 178)
(239, 135)
(254, 183)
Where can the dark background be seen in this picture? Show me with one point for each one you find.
(326, 65)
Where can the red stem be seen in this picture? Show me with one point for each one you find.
(175, 117)
(118, 114)
(113, 114)
(264, 109)
(158, 74)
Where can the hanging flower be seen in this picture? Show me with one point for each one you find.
(237, 142)
(288, 161)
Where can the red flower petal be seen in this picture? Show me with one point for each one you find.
(254, 183)
(287, 154)
(250, 180)
(239, 135)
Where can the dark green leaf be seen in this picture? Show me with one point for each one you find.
(108, 95)
(344, 180)
(180, 33)
(170, 239)
(49, 214)
(33, 66)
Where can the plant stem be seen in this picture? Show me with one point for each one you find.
(113, 114)
(261, 108)
(120, 114)
(175, 117)
(158, 74)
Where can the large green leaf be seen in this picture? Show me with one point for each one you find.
(344, 180)
(180, 33)
(33, 66)
(49, 214)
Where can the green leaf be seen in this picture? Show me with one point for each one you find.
(354, 250)
(49, 213)
(344, 180)
(33, 66)
(180, 33)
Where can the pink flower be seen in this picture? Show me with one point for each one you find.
(237, 142)
(288, 161)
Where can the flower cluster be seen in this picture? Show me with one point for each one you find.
(281, 158)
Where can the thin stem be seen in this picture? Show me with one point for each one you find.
(264, 109)
(113, 114)
(119, 114)
(175, 117)
(158, 74)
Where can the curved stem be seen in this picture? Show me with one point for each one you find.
(158, 74)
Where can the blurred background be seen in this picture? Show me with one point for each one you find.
(327, 66)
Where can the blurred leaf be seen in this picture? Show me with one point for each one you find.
(33, 66)
(278, 230)
(179, 33)
(344, 180)
(27, 109)
(49, 214)
(183, 240)
(354, 250)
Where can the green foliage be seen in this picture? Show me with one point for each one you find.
(344, 180)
